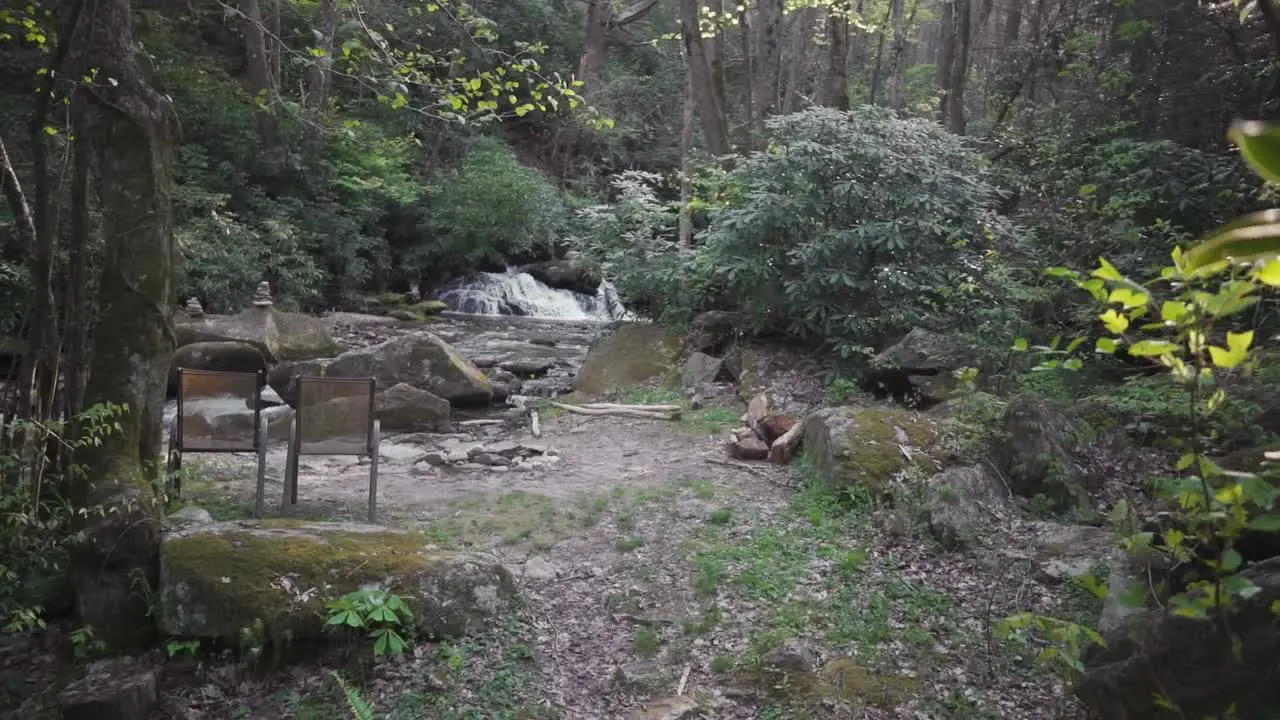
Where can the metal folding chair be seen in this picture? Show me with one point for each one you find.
(210, 419)
(334, 416)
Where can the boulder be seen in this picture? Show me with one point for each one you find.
(918, 369)
(958, 500)
(700, 368)
(868, 446)
(112, 689)
(712, 332)
(217, 579)
(404, 408)
(1036, 457)
(631, 354)
(280, 336)
(226, 356)
(746, 446)
(1063, 552)
(1201, 666)
(575, 274)
(420, 359)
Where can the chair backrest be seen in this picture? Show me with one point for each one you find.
(335, 416)
(219, 411)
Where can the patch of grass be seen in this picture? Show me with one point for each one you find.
(720, 517)
(646, 643)
(703, 421)
(627, 544)
(722, 664)
(626, 522)
(490, 676)
(703, 624)
(514, 519)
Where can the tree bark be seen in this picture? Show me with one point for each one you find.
(685, 237)
(18, 205)
(956, 120)
(132, 131)
(602, 21)
(258, 71)
(897, 72)
(711, 113)
(836, 90)
(749, 71)
(768, 80)
(946, 57)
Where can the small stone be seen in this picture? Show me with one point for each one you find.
(456, 456)
(262, 296)
(538, 568)
(486, 458)
(436, 458)
(497, 468)
(473, 466)
(190, 515)
(505, 449)
(749, 447)
(680, 707)
(793, 656)
(551, 452)
(194, 308)
(521, 467)
(549, 459)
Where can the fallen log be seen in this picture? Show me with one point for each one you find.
(620, 412)
(644, 408)
(782, 449)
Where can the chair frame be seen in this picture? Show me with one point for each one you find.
(371, 450)
(258, 445)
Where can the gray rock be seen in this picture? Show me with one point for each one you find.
(486, 458)
(223, 356)
(279, 336)
(959, 500)
(538, 568)
(436, 458)
(793, 656)
(190, 515)
(699, 369)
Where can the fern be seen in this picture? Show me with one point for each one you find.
(360, 708)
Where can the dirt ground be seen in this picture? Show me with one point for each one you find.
(659, 583)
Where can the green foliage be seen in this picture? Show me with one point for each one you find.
(384, 616)
(360, 708)
(1186, 319)
(487, 211)
(37, 524)
(849, 228)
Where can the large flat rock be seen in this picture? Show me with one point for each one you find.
(217, 579)
(279, 336)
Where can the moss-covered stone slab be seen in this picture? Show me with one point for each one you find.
(280, 336)
(217, 579)
(868, 446)
(630, 355)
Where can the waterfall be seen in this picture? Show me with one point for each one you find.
(516, 293)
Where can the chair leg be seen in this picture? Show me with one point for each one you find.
(260, 499)
(373, 472)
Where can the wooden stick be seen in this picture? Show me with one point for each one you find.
(785, 446)
(646, 408)
(535, 426)
(684, 678)
(474, 423)
(620, 412)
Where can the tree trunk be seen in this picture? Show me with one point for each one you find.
(17, 200)
(685, 237)
(806, 18)
(319, 76)
(132, 130)
(749, 71)
(711, 112)
(896, 75)
(877, 70)
(959, 69)
(258, 70)
(836, 92)
(714, 46)
(768, 80)
(595, 48)
(946, 56)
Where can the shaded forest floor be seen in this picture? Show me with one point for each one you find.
(673, 587)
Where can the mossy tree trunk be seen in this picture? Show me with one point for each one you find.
(131, 131)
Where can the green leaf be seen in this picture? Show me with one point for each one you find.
(1115, 322)
(1172, 311)
(1107, 271)
(1252, 237)
(1259, 144)
(1268, 274)
(1020, 345)
(1152, 348)
(1265, 523)
(1236, 352)
(1105, 345)
(1231, 560)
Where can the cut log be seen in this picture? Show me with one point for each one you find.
(121, 689)
(535, 425)
(757, 411)
(749, 447)
(645, 408)
(784, 448)
(621, 412)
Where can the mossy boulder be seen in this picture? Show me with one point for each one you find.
(576, 274)
(1041, 439)
(630, 355)
(217, 579)
(279, 336)
(868, 446)
(420, 359)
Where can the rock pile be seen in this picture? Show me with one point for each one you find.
(505, 456)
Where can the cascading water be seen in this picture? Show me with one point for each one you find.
(517, 293)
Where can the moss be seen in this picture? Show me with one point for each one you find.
(840, 679)
(221, 578)
(631, 355)
(861, 446)
(428, 307)
(390, 300)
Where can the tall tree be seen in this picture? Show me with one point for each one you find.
(603, 22)
(711, 110)
(956, 120)
(131, 130)
(836, 87)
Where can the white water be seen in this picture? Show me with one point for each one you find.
(517, 293)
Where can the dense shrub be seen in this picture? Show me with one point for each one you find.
(849, 228)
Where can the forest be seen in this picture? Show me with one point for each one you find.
(1035, 231)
